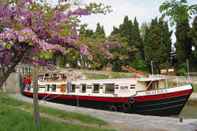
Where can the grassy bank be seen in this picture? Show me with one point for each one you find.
(17, 116)
(106, 75)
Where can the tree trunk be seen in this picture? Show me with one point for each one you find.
(35, 98)
(8, 69)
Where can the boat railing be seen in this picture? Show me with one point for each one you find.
(170, 82)
(51, 79)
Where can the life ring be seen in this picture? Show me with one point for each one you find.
(131, 100)
(113, 108)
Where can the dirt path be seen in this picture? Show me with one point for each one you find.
(126, 122)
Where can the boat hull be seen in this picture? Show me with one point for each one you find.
(164, 104)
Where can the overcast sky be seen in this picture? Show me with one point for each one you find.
(144, 10)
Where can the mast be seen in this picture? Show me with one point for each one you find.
(152, 67)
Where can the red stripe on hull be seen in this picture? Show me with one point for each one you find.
(90, 98)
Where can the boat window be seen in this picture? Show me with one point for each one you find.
(109, 88)
(132, 86)
(73, 88)
(96, 88)
(83, 88)
(53, 87)
(151, 85)
(124, 87)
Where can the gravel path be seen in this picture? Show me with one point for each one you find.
(126, 122)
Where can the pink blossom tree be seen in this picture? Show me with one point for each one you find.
(29, 28)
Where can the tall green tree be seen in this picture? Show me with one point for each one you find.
(183, 42)
(179, 13)
(193, 34)
(129, 30)
(136, 40)
(157, 44)
(99, 33)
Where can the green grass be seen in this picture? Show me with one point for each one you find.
(73, 116)
(107, 75)
(96, 76)
(16, 116)
(121, 75)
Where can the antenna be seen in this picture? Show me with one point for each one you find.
(152, 67)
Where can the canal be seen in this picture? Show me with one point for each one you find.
(190, 110)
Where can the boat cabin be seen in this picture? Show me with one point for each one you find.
(122, 87)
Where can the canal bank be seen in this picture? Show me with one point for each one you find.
(123, 121)
(193, 97)
(189, 111)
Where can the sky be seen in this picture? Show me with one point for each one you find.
(143, 10)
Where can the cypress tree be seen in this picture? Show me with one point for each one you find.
(99, 33)
(136, 39)
(157, 44)
(183, 42)
(193, 35)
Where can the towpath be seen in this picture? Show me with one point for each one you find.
(123, 121)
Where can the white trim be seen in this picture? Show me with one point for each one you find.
(164, 90)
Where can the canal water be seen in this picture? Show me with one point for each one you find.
(190, 110)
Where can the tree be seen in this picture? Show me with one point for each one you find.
(136, 39)
(33, 30)
(99, 33)
(193, 34)
(26, 33)
(183, 42)
(120, 54)
(84, 32)
(179, 13)
(129, 31)
(157, 44)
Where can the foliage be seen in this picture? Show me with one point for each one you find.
(183, 42)
(177, 10)
(85, 33)
(139, 64)
(182, 69)
(99, 33)
(179, 13)
(129, 33)
(193, 34)
(157, 43)
(34, 30)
